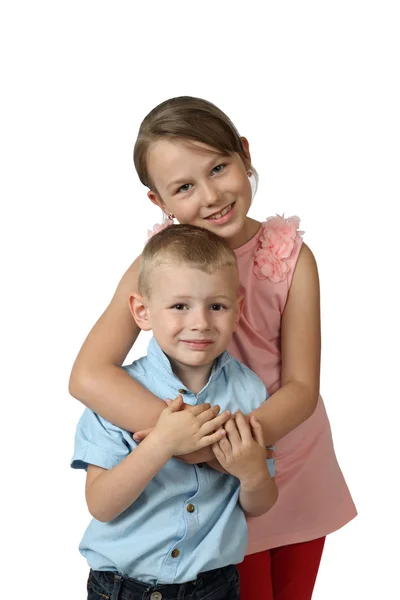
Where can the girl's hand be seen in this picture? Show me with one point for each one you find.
(141, 435)
(270, 452)
(185, 431)
(242, 451)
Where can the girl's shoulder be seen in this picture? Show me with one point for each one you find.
(278, 248)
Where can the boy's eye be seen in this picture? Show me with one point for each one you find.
(180, 306)
(217, 307)
(185, 188)
(218, 168)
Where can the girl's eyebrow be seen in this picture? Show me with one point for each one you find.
(183, 180)
(177, 182)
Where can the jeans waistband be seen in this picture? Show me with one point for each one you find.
(115, 586)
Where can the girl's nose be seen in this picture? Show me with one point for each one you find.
(210, 194)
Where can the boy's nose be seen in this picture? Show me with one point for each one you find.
(200, 320)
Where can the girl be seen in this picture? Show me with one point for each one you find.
(198, 170)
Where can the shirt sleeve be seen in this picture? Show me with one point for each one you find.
(98, 442)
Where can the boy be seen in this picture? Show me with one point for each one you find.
(164, 529)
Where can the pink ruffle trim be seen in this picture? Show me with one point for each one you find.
(277, 241)
(157, 228)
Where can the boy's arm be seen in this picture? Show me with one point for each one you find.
(242, 453)
(97, 379)
(110, 492)
(259, 495)
(119, 477)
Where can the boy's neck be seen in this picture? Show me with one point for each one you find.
(193, 378)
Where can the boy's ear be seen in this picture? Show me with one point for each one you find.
(140, 312)
(240, 301)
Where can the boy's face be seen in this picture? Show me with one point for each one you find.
(192, 313)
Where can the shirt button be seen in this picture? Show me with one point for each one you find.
(182, 391)
(156, 596)
(190, 508)
(175, 553)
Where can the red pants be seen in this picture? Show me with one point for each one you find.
(286, 573)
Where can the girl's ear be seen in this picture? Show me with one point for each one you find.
(155, 198)
(246, 149)
(140, 311)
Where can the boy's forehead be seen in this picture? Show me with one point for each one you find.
(174, 277)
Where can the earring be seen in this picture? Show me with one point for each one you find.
(249, 172)
(171, 218)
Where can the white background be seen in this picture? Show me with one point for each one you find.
(315, 88)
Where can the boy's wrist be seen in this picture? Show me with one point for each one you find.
(160, 445)
(255, 481)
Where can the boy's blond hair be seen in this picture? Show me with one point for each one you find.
(188, 245)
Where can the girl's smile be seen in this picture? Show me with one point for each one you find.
(222, 216)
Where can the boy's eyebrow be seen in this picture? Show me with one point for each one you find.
(183, 180)
(213, 297)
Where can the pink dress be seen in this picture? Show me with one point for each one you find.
(313, 496)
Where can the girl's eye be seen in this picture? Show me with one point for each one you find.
(217, 307)
(218, 168)
(185, 188)
(180, 306)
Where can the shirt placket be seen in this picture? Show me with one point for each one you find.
(190, 523)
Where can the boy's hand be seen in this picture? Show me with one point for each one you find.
(242, 451)
(184, 431)
(139, 436)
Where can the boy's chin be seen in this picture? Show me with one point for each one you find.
(193, 359)
(196, 361)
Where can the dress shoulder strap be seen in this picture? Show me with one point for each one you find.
(278, 248)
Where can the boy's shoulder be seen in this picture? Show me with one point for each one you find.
(151, 365)
(138, 368)
(238, 372)
(153, 371)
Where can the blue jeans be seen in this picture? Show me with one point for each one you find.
(219, 584)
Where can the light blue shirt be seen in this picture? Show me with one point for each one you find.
(191, 509)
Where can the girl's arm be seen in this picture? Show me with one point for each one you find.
(97, 379)
(296, 400)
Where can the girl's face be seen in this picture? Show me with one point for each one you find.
(202, 187)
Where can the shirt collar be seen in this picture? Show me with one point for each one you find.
(159, 360)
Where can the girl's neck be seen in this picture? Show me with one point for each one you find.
(248, 231)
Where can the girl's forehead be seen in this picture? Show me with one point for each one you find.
(178, 159)
(183, 147)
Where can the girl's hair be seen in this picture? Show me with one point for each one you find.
(184, 244)
(186, 118)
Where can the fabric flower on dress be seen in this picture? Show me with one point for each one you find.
(157, 228)
(277, 241)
